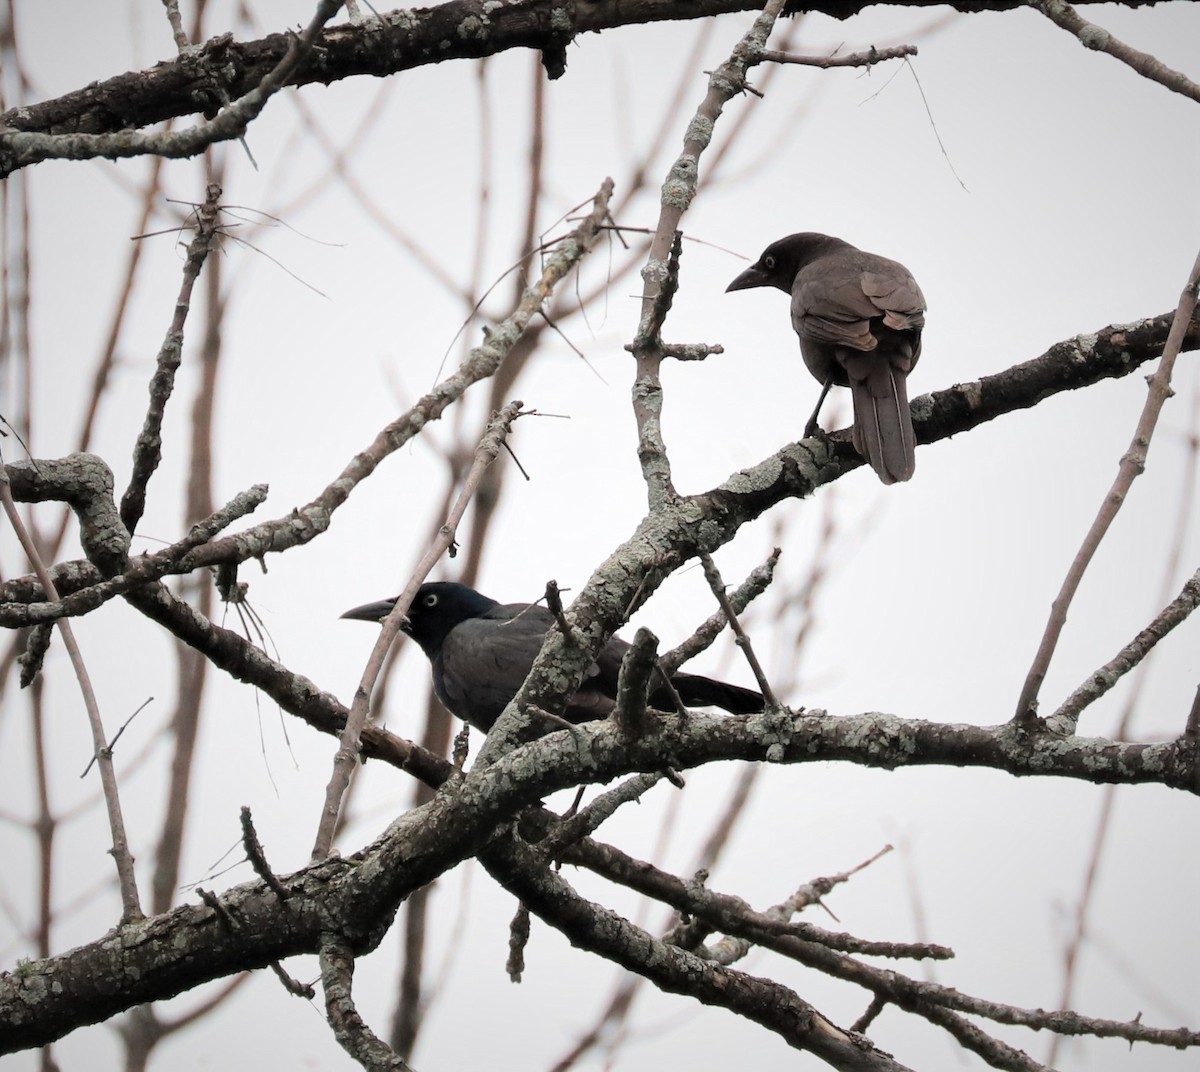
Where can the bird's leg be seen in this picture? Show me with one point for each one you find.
(812, 428)
(462, 744)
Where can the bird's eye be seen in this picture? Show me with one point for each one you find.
(430, 600)
(769, 261)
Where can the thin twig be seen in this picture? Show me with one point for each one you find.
(1132, 465)
(555, 605)
(258, 858)
(224, 917)
(708, 630)
(292, 986)
(147, 453)
(347, 753)
(660, 274)
(586, 821)
(1096, 37)
(117, 736)
(131, 908)
(717, 585)
(854, 59)
(1066, 718)
(177, 31)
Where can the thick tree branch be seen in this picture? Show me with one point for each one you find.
(600, 930)
(357, 896)
(823, 951)
(89, 591)
(203, 78)
(19, 149)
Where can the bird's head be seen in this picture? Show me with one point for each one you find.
(437, 608)
(780, 261)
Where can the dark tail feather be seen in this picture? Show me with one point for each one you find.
(696, 691)
(883, 431)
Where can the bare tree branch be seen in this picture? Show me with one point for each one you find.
(1133, 463)
(1095, 37)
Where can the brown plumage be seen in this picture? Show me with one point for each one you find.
(859, 317)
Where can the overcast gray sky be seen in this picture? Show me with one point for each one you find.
(1076, 209)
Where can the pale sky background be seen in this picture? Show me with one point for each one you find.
(1080, 210)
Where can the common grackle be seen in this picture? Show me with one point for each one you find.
(859, 318)
(481, 652)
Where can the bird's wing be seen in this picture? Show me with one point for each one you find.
(832, 308)
(485, 660)
(895, 294)
(835, 299)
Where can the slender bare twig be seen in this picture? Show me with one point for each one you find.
(660, 274)
(148, 451)
(292, 986)
(854, 59)
(555, 606)
(589, 819)
(1133, 462)
(715, 582)
(1066, 718)
(117, 736)
(1102, 837)
(1096, 37)
(708, 630)
(127, 880)
(308, 521)
(258, 858)
(347, 753)
(177, 31)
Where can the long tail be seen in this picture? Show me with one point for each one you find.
(883, 431)
(696, 691)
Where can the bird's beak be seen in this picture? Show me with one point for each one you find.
(371, 612)
(751, 277)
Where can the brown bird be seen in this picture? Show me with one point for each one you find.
(859, 317)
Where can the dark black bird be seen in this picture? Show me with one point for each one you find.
(481, 652)
(859, 318)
